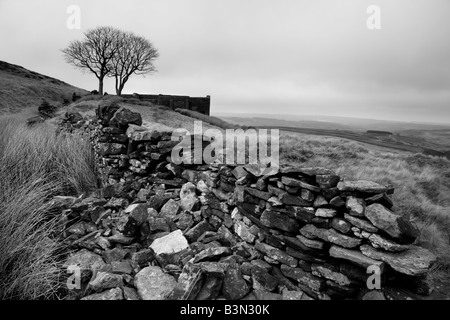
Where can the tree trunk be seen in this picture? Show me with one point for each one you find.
(119, 91)
(100, 86)
(117, 86)
(120, 85)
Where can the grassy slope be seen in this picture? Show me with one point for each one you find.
(21, 89)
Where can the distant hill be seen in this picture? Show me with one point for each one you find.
(21, 88)
(327, 122)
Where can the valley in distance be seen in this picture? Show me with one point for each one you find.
(426, 138)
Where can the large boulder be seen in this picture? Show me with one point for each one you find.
(393, 224)
(123, 117)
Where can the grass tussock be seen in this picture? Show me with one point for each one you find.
(422, 184)
(35, 165)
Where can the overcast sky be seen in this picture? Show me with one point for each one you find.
(313, 57)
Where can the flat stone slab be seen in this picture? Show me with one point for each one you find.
(331, 274)
(306, 278)
(360, 223)
(309, 171)
(361, 186)
(355, 256)
(378, 241)
(329, 235)
(274, 219)
(291, 182)
(414, 262)
(211, 254)
(276, 254)
(259, 170)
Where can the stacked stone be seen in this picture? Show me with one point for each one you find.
(234, 232)
(128, 151)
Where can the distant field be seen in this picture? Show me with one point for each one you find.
(441, 138)
(423, 138)
(381, 141)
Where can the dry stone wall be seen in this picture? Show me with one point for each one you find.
(157, 230)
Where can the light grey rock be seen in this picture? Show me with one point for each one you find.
(153, 284)
(356, 206)
(325, 213)
(172, 243)
(243, 232)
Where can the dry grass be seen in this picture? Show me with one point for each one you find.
(35, 165)
(422, 184)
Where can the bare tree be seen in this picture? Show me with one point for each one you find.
(95, 52)
(134, 55)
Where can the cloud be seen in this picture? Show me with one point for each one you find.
(261, 56)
